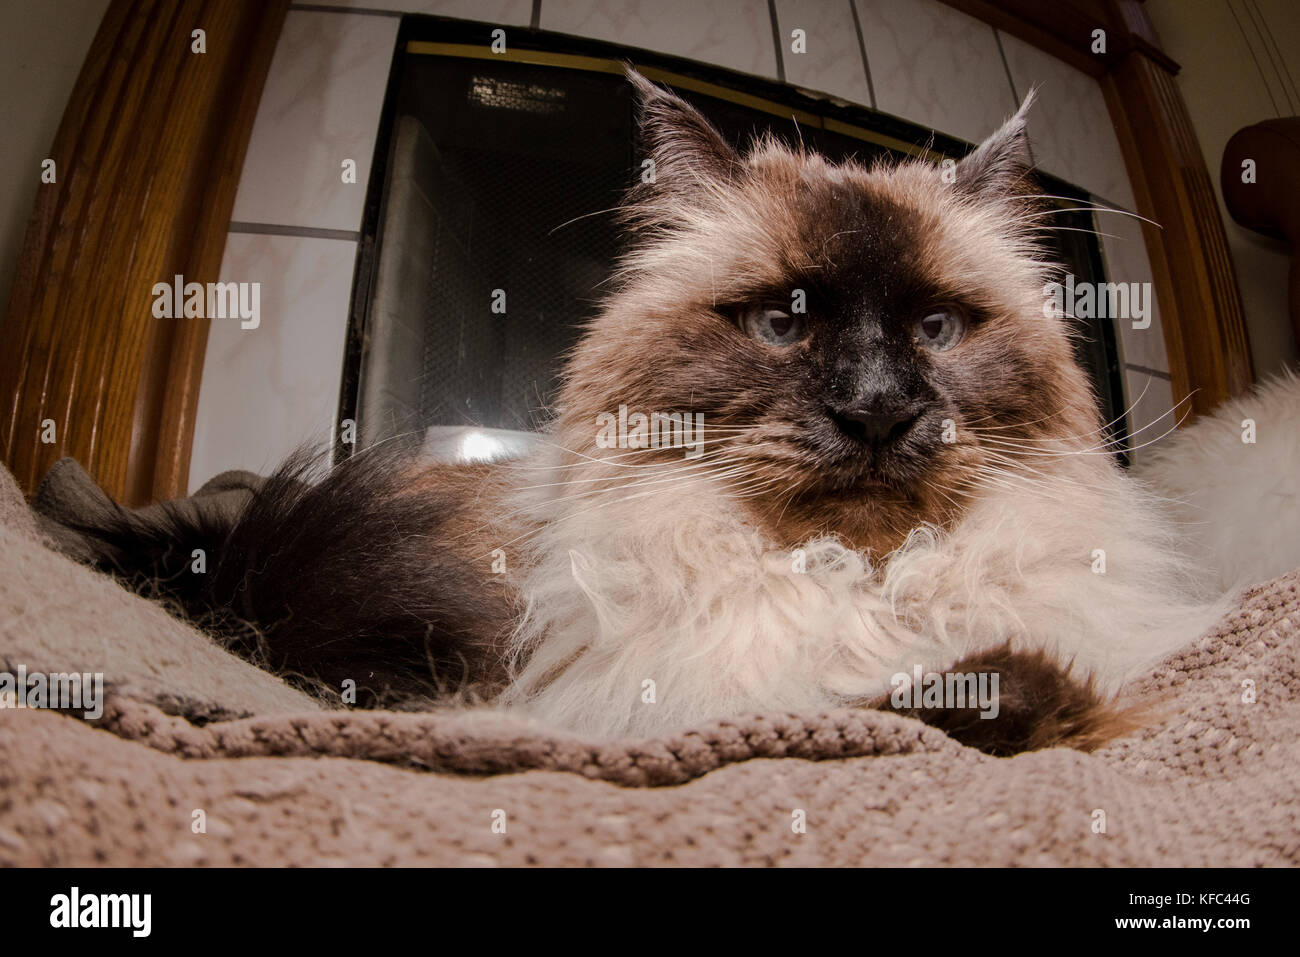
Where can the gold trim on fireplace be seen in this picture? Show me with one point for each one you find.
(604, 65)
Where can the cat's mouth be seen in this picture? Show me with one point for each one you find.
(856, 471)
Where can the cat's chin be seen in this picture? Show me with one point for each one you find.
(887, 484)
(872, 513)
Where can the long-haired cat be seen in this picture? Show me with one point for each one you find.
(896, 462)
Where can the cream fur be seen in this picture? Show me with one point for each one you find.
(1239, 503)
(674, 587)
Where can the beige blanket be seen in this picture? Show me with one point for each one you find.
(200, 758)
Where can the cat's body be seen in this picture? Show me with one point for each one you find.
(908, 470)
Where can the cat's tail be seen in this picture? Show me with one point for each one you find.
(1037, 703)
(324, 575)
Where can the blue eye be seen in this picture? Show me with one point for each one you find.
(941, 329)
(772, 326)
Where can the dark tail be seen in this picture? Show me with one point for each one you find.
(322, 578)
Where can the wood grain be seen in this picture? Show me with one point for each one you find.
(1196, 284)
(148, 155)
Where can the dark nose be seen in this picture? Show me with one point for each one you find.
(875, 423)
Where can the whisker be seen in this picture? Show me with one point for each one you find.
(599, 460)
(1094, 207)
(1070, 438)
(612, 209)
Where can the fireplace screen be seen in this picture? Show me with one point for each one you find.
(491, 228)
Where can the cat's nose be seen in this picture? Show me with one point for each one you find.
(875, 424)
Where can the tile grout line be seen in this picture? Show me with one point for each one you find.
(862, 48)
(776, 40)
(1006, 67)
(1147, 370)
(1015, 95)
(302, 232)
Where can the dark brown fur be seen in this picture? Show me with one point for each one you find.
(1041, 705)
(375, 574)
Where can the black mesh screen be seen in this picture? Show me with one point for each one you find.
(526, 155)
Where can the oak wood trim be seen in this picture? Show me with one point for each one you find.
(148, 156)
(1196, 284)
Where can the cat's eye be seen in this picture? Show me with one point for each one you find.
(771, 326)
(941, 329)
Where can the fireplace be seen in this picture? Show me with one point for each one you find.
(490, 225)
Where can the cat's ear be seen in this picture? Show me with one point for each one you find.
(998, 166)
(687, 152)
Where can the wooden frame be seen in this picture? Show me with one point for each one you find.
(147, 157)
(146, 183)
(1201, 313)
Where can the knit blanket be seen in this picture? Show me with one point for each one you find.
(200, 758)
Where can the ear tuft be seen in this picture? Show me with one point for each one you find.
(687, 151)
(998, 166)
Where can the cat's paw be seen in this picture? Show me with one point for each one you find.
(1038, 704)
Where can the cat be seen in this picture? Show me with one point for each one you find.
(899, 464)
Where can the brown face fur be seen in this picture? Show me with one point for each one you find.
(856, 428)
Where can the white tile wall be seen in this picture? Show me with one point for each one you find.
(320, 106)
(936, 66)
(1070, 129)
(832, 60)
(1125, 252)
(266, 390)
(732, 33)
(1150, 397)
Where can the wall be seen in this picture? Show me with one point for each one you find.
(295, 228)
(296, 224)
(42, 47)
(1241, 65)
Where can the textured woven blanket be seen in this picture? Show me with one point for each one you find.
(200, 758)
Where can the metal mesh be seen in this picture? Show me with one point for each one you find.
(499, 369)
(521, 159)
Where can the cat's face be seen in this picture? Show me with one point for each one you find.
(862, 344)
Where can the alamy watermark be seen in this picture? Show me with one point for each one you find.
(656, 430)
(1099, 300)
(215, 300)
(953, 689)
(133, 912)
(62, 691)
